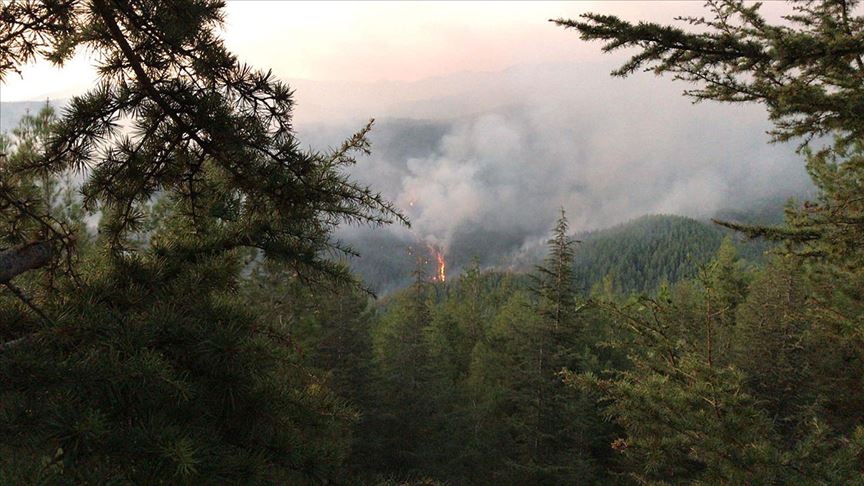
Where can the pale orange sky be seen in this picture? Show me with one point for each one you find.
(375, 41)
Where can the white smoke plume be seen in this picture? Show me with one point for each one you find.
(519, 145)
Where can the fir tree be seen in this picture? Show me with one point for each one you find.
(405, 375)
(566, 422)
(806, 72)
(547, 428)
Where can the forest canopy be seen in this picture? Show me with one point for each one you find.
(174, 308)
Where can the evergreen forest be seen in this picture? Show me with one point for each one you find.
(176, 307)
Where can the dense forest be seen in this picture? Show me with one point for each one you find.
(638, 255)
(175, 308)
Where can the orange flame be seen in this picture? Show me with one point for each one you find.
(441, 275)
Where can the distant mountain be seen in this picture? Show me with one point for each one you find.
(489, 185)
(637, 255)
(642, 253)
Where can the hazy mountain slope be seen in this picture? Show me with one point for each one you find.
(641, 254)
(637, 255)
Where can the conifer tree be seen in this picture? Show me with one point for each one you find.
(546, 427)
(143, 364)
(405, 417)
(472, 317)
(806, 72)
(330, 329)
(202, 123)
(554, 284)
(565, 421)
(554, 341)
(773, 344)
(503, 382)
(689, 413)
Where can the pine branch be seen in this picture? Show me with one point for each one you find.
(771, 233)
(28, 302)
(16, 342)
(17, 260)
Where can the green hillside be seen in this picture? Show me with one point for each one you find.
(640, 254)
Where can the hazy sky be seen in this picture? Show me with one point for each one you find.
(375, 41)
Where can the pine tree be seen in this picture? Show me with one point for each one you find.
(143, 364)
(202, 124)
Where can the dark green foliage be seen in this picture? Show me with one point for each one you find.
(722, 378)
(479, 364)
(133, 358)
(721, 385)
(191, 340)
(752, 383)
(37, 205)
(407, 416)
(329, 330)
(643, 253)
(138, 383)
(556, 436)
(773, 321)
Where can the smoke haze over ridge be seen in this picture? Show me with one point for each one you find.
(483, 149)
(499, 153)
(482, 161)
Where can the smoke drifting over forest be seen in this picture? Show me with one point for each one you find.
(489, 164)
(481, 163)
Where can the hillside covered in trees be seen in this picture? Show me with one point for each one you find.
(181, 302)
(637, 255)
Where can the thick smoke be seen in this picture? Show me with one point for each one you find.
(496, 161)
(482, 162)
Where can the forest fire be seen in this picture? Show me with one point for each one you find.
(441, 274)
